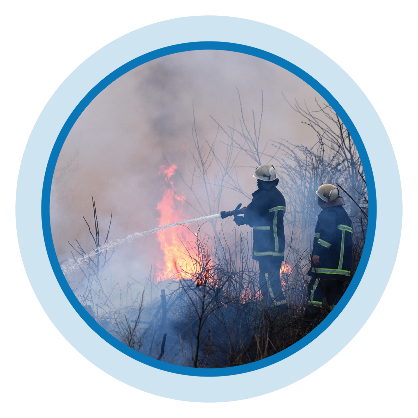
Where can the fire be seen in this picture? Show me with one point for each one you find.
(248, 296)
(285, 272)
(285, 269)
(169, 172)
(205, 278)
(173, 241)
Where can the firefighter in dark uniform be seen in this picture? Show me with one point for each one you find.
(265, 215)
(332, 251)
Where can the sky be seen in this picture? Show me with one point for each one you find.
(143, 121)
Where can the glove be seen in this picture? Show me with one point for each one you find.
(239, 220)
(315, 260)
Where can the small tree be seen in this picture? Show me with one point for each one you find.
(91, 292)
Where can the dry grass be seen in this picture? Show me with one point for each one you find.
(129, 331)
(216, 317)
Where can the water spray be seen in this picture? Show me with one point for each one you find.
(77, 262)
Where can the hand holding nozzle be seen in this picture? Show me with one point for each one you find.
(239, 220)
(235, 212)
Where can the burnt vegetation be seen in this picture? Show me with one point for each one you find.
(213, 315)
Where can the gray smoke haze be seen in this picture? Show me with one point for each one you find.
(116, 148)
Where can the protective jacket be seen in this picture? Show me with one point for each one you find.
(265, 215)
(333, 243)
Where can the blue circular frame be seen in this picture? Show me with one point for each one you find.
(278, 47)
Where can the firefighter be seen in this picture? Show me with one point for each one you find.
(265, 215)
(330, 269)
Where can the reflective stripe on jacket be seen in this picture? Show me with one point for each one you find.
(333, 243)
(265, 215)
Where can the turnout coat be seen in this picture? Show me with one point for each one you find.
(265, 215)
(333, 243)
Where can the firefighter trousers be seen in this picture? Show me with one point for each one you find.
(270, 284)
(325, 289)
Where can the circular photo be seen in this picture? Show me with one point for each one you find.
(208, 209)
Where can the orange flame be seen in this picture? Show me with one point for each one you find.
(205, 278)
(169, 172)
(173, 241)
(285, 269)
(248, 296)
(285, 272)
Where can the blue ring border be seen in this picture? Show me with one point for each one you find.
(69, 101)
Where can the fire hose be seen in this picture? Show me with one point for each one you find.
(77, 262)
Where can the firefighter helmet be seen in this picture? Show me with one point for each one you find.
(265, 173)
(327, 192)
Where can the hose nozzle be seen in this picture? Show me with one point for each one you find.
(235, 212)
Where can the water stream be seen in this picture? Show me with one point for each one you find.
(77, 262)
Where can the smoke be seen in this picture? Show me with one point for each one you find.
(144, 120)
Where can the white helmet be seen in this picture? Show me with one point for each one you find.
(327, 192)
(265, 173)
